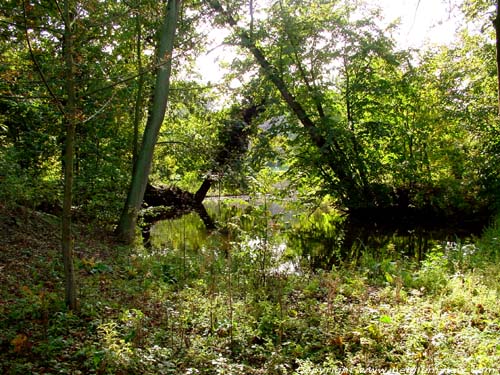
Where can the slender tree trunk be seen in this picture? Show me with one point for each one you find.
(140, 87)
(127, 225)
(70, 122)
(496, 23)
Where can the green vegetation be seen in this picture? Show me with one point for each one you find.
(230, 303)
(362, 178)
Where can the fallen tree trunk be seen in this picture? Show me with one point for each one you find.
(163, 203)
(166, 203)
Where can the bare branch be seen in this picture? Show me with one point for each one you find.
(172, 142)
(59, 9)
(99, 110)
(59, 105)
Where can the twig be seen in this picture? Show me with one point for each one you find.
(99, 110)
(59, 105)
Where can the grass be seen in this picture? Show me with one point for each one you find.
(221, 306)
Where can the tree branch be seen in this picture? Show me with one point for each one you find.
(59, 105)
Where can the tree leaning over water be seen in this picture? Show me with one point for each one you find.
(358, 119)
(371, 125)
(344, 167)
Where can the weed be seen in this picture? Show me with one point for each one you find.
(220, 304)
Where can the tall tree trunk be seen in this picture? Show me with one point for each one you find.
(140, 87)
(127, 225)
(70, 122)
(496, 23)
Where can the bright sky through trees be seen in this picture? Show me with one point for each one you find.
(422, 22)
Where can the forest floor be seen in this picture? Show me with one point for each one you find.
(141, 314)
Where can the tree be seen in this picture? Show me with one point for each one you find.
(297, 49)
(487, 10)
(70, 110)
(496, 24)
(371, 125)
(140, 90)
(127, 225)
(336, 155)
(69, 63)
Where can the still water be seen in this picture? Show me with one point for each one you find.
(282, 237)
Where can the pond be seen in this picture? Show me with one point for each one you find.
(279, 236)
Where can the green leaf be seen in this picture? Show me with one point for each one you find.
(388, 277)
(385, 319)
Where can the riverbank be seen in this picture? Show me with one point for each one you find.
(213, 307)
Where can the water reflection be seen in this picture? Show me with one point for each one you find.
(279, 239)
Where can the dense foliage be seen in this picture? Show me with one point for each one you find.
(394, 127)
(320, 114)
(240, 301)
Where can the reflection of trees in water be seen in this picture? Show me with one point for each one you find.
(413, 243)
(326, 238)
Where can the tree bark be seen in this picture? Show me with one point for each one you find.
(127, 225)
(496, 23)
(200, 195)
(70, 122)
(164, 203)
(138, 100)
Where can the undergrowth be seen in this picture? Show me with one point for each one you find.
(226, 305)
